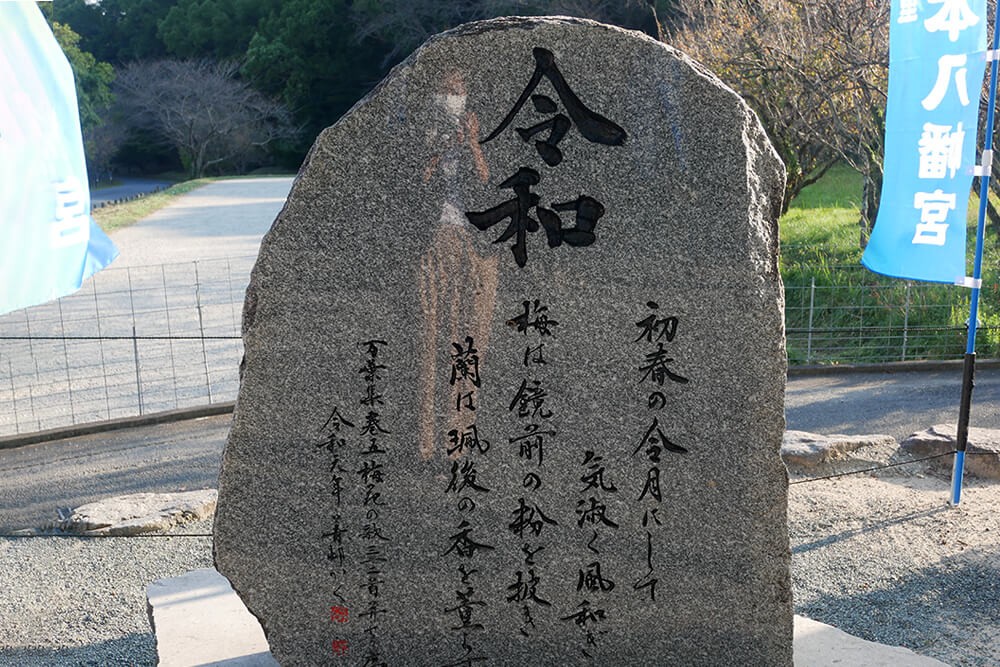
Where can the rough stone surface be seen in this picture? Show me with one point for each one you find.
(199, 620)
(499, 551)
(982, 449)
(808, 450)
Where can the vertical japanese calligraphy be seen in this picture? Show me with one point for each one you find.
(335, 442)
(656, 374)
(464, 448)
(593, 584)
(531, 408)
(372, 477)
(364, 439)
(591, 125)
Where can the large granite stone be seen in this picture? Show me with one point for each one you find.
(616, 496)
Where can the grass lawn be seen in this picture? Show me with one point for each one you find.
(821, 226)
(864, 314)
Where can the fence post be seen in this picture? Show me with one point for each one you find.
(906, 320)
(65, 344)
(138, 378)
(170, 333)
(100, 336)
(13, 396)
(201, 329)
(232, 301)
(135, 340)
(31, 405)
(31, 347)
(812, 303)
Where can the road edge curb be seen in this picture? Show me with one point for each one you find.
(89, 428)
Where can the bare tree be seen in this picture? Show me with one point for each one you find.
(816, 73)
(202, 109)
(101, 143)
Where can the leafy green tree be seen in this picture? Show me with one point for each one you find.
(93, 78)
(816, 74)
(102, 136)
(321, 56)
(406, 24)
(307, 53)
(220, 29)
(115, 31)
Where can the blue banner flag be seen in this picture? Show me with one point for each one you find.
(937, 56)
(49, 244)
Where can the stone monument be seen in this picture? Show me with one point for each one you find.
(514, 372)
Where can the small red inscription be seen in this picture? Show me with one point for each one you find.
(339, 614)
(340, 647)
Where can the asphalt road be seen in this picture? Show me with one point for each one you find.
(163, 458)
(127, 187)
(224, 219)
(178, 456)
(893, 403)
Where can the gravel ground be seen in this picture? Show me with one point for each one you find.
(69, 601)
(884, 558)
(888, 559)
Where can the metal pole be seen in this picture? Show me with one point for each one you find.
(138, 378)
(31, 347)
(201, 329)
(135, 341)
(969, 370)
(13, 397)
(809, 339)
(31, 405)
(906, 321)
(100, 336)
(170, 333)
(69, 380)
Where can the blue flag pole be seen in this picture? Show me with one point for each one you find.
(969, 369)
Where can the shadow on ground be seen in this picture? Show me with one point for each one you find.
(955, 602)
(136, 650)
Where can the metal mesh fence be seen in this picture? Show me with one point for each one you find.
(887, 322)
(132, 341)
(146, 339)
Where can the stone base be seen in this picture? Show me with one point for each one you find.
(199, 620)
(800, 449)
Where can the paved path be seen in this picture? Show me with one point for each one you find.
(224, 219)
(221, 219)
(896, 404)
(181, 272)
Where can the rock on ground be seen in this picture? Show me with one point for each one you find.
(982, 453)
(808, 450)
(133, 514)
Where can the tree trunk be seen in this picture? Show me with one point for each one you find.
(870, 195)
